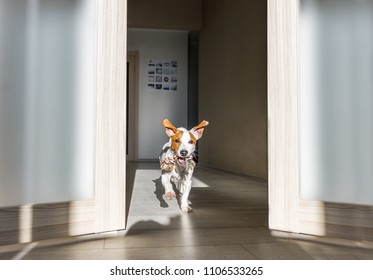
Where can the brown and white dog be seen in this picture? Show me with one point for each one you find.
(178, 160)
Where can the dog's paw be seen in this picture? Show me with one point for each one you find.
(170, 195)
(187, 209)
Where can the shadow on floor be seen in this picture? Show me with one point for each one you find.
(229, 222)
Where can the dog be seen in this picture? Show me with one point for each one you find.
(178, 159)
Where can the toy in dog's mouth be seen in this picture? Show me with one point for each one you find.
(193, 158)
(183, 160)
(167, 165)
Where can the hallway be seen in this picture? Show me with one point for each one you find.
(229, 222)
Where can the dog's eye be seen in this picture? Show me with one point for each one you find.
(177, 140)
(190, 142)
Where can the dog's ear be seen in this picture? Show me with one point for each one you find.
(197, 131)
(170, 128)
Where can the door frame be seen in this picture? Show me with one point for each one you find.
(287, 211)
(133, 96)
(106, 212)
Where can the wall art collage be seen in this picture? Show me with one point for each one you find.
(162, 75)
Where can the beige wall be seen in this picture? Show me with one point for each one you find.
(233, 85)
(165, 14)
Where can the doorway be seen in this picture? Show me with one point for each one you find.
(132, 107)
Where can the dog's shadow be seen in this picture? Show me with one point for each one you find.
(160, 191)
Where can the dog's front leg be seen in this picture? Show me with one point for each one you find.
(166, 182)
(186, 186)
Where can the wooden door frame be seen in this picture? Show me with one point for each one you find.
(106, 212)
(287, 211)
(111, 114)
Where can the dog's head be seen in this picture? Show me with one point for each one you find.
(183, 142)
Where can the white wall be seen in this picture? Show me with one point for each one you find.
(155, 105)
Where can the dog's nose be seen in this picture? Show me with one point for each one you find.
(183, 153)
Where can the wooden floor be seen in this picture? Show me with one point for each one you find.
(229, 222)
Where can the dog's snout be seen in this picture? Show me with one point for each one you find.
(184, 153)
